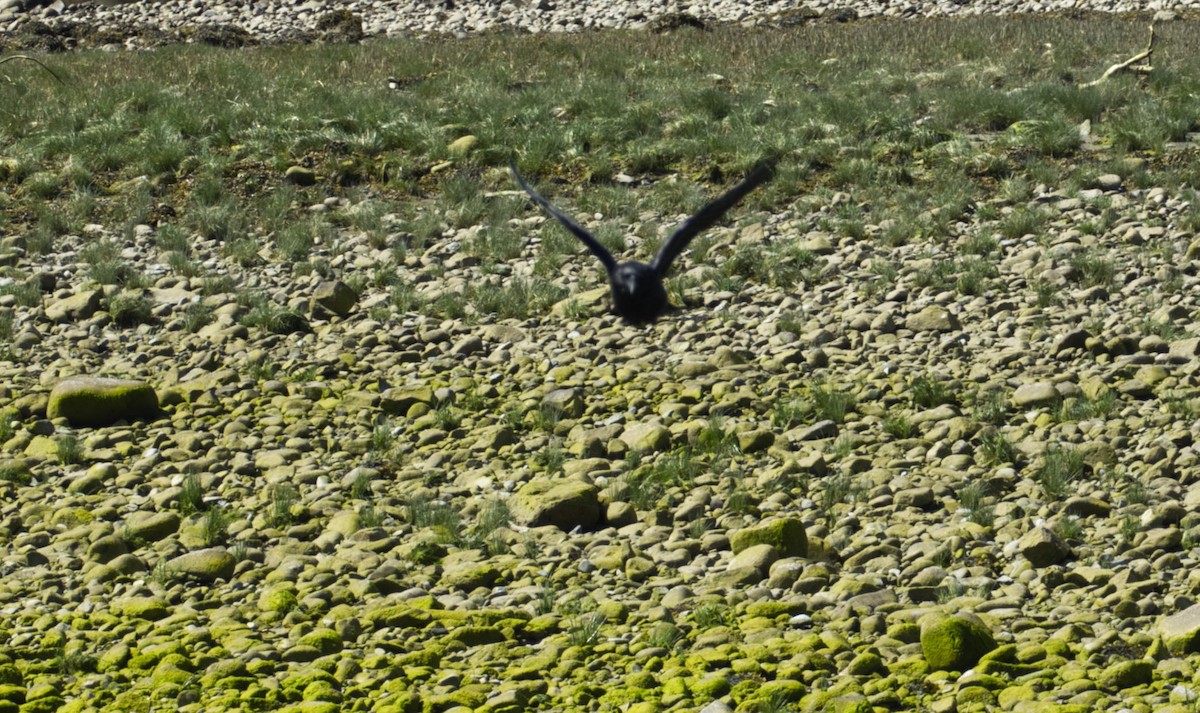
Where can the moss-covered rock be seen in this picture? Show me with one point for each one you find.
(222, 669)
(646, 437)
(476, 635)
(1003, 668)
(206, 565)
(325, 641)
(471, 695)
(12, 693)
(755, 440)
(399, 616)
(399, 399)
(47, 704)
(954, 642)
(312, 707)
(40, 448)
(975, 698)
(787, 535)
(19, 470)
(1010, 696)
(711, 687)
(613, 611)
(639, 569)
(469, 575)
(345, 523)
(611, 558)
(151, 655)
(300, 176)
(774, 610)
(106, 549)
(116, 657)
(566, 504)
(1042, 547)
(1126, 674)
(621, 698)
(149, 608)
(833, 701)
(982, 680)
(541, 626)
(278, 597)
(933, 318)
(169, 674)
(781, 691)
(321, 691)
(97, 401)
(905, 631)
(69, 517)
(866, 663)
(505, 702)
(301, 680)
(11, 675)
(76, 307)
(151, 526)
(1180, 632)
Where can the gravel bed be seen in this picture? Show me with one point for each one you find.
(349, 466)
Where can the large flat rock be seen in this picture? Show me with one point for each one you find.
(566, 504)
(100, 401)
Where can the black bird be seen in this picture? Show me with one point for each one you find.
(637, 288)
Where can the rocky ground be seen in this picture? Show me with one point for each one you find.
(57, 25)
(873, 488)
(318, 518)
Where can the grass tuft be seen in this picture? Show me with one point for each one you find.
(928, 391)
(272, 317)
(129, 309)
(1060, 467)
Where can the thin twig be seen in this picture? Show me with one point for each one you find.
(36, 61)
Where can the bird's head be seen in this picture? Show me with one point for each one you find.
(634, 278)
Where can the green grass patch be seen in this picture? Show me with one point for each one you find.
(876, 110)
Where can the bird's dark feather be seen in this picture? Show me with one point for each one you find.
(706, 216)
(606, 258)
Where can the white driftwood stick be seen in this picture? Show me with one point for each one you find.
(1130, 65)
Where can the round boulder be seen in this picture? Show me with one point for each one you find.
(954, 643)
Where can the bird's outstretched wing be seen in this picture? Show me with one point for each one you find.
(610, 263)
(708, 215)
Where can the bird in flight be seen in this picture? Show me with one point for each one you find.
(638, 294)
